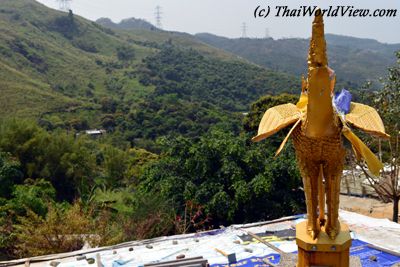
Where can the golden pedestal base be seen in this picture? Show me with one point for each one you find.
(323, 252)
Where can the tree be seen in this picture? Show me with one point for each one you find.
(10, 174)
(387, 102)
(233, 179)
(115, 165)
(31, 197)
(125, 53)
(60, 230)
(57, 156)
(66, 25)
(108, 104)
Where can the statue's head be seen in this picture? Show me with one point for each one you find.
(319, 91)
(317, 54)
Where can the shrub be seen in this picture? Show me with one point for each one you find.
(125, 53)
(61, 230)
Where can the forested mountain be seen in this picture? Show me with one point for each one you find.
(76, 74)
(355, 60)
(144, 33)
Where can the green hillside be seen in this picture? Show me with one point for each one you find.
(25, 96)
(355, 60)
(139, 32)
(54, 60)
(76, 74)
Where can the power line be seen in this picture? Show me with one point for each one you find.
(244, 30)
(64, 5)
(158, 14)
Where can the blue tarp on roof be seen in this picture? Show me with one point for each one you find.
(370, 257)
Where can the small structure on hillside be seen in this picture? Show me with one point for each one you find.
(95, 132)
(92, 133)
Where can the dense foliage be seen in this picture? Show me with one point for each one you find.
(105, 195)
(354, 60)
(168, 115)
(232, 178)
(387, 101)
(192, 76)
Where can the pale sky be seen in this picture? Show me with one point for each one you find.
(226, 17)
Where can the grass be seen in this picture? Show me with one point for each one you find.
(42, 70)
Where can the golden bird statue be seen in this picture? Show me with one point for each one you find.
(317, 133)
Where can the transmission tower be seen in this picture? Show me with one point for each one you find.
(244, 30)
(64, 5)
(267, 33)
(158, 14)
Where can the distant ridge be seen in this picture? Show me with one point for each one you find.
(127, 24)
(354, 59)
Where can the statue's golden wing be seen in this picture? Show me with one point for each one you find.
(362, 151)
(367, 119)
(277, 118)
